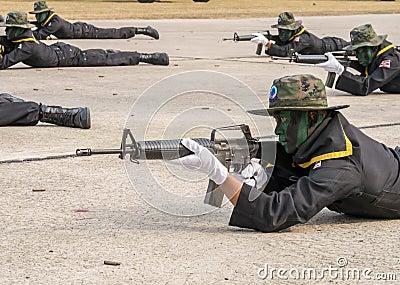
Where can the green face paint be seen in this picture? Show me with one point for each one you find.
(365, 55)
(294, 127)
(291, 128)
(14, 32)
(285, 35)
(42, 17)
(282, 119)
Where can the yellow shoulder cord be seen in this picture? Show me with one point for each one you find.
(385, 49)
(378, 54)
(48, 19)
(32, 39)
(338, 154)
(298, 34)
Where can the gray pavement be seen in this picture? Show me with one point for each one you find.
(89, 210)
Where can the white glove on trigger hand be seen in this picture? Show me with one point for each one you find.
(202, 160)
(259, 39)
(332, 64)
(254, 175)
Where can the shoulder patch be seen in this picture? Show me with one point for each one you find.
(385, 63)
(296, 39)
(317, 165)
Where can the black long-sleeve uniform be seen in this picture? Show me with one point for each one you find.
(382, 73)
(17, 112)
(62, 29)
(338, 167)
(305, 42)
(29, 50)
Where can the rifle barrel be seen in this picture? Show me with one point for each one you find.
(89, 151)
(310, 59)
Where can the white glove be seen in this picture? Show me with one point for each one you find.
(202, 160)
(332, 64)
(254, 175)
(259, 39)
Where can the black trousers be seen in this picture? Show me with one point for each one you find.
(88, 31)
(73, 56)
(19, 114)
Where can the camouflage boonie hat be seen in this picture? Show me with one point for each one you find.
(286, 21)
(364, 36)
(39, 7)
(17, 19)
(303, 92)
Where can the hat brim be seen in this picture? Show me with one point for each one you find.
(41, 11)
(376, 42)
(26, 26)
(270, 111)
(293, 26)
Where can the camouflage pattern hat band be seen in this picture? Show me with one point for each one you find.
(40, 7)
(286, 21)
(364, 36)
(17, 19)
(303, 92)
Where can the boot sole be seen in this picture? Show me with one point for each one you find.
(85, 119)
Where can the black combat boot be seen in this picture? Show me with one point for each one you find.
(158, 58)
(5, 97)
(74, 118)
(148, 31)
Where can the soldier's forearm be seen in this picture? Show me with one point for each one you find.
(231, 188)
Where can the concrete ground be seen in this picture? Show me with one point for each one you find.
(89, 211)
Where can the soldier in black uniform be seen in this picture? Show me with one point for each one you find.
(23, 47)
(321, 161)
(16, 112)
(378, 64)
(293, 36)
(49, 23)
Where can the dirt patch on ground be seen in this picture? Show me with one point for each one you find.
(176, 9)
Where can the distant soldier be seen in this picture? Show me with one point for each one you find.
(378, 63)
(293, 36)
(1, 18)
(49, 23)
(23, 47)
(16, 112)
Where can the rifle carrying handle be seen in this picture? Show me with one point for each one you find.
(330, 79)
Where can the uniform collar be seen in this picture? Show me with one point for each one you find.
(328, 141)
(297, 34)
(25, 37)
(48, 19)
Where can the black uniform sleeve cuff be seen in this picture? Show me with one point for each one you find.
(242, 215)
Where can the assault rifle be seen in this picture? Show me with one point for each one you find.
(235, 154)
(242, 38)
(344, 57)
